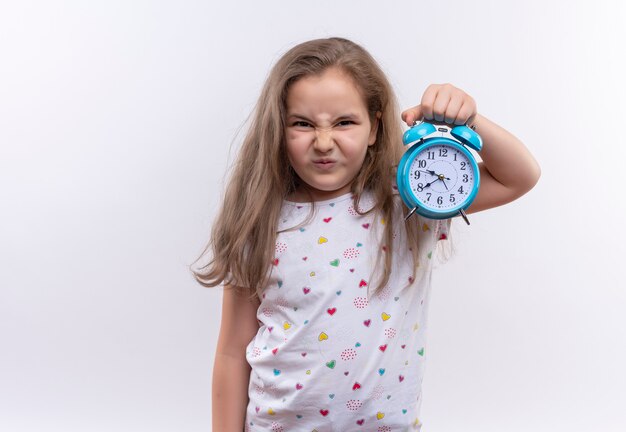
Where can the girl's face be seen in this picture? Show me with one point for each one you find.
(327, 133)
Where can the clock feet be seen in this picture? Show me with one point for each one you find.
(462, 213)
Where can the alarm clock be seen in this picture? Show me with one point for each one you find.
(438, 176)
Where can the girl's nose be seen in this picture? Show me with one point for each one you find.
(323, 139)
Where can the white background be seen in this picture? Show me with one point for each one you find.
(118, 121)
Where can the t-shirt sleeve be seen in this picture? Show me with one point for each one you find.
(437, 233)
(439, 229)
(442, 231)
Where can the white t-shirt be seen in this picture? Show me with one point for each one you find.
(328, 356)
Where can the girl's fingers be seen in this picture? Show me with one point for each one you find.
(412, 115)
(441, 103)
(428, 101)
(466, 113)
(451, 115)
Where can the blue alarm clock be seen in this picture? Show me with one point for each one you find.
(438, 176)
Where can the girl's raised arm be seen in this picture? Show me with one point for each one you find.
(231, 371)
(507, 171)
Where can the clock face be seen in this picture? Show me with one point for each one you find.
(441, 177)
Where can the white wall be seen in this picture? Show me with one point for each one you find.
(116, 120)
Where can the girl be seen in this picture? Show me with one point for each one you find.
(326, 287)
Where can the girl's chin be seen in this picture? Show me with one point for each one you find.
(323, 194)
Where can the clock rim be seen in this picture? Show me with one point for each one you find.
(407, 194)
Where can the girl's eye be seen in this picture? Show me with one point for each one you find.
(345, 122)
(301, 123)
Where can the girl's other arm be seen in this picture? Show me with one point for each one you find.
(231, 371)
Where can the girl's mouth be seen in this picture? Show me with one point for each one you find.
(323, 164)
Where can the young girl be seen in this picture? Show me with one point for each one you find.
(326, 286)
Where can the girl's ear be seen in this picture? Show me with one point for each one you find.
(374, 130)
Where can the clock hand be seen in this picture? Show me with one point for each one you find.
(428, 184)
(439, 177)
(429, 172)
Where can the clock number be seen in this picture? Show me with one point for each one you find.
(463, 166)
(416, 174)
(429, 195)
(421, 164)
(431, 155)
(443, 152)
(420, 187)
(452, 199)
(439, 200)
(465, 178)
(460, 190)
(455, 156)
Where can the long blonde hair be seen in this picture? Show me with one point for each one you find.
(243, 236)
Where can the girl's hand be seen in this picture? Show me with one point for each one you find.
(443, 103)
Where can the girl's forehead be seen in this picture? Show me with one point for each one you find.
(332, 92)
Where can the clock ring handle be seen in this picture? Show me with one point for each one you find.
(443, 123)
(465, 134)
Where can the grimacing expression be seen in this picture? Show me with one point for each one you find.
(327, 132)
